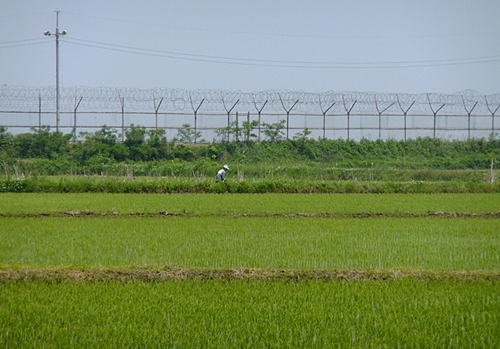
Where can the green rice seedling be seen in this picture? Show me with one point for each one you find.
(428, 240)
(254, 242)
(404, 313)
(217, 204)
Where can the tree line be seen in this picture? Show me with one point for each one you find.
(104, 147)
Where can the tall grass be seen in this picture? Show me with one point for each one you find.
(106, 184)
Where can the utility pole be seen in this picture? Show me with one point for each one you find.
(47, 33)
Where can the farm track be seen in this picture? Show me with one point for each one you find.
(178, 273)
(90, 213)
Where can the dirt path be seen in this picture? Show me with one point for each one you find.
(90, 213)
(178, 273)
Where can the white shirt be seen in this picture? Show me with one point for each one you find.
(221, 175)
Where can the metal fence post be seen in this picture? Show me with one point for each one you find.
(435, 113)
(492, 116)
(287, 114)
(39, 111)
(74, 118)
(324, 113)
(157, 107)
(259, 111)
(248, 126)
(122, 102)
(468, 116)
(195, 110)
(228, 115)
(405, 112)
(380, 117)
(236, 131)
(348, 111)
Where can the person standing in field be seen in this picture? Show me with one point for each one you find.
(221, 174)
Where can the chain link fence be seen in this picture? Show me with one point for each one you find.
(332, 114)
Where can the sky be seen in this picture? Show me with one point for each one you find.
(384, 46)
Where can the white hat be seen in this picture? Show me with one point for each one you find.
(225, 167)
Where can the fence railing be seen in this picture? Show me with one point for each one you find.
(347, 115)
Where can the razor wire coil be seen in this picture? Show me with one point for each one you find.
(166, 100)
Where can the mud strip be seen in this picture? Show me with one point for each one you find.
(90, 213)
(178, 273)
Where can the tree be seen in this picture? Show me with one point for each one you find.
(102, 143)
(106, 135)
(248, 127)
(6, 139)
(307, 147)
(232, 129)
(187, 135)
(42, 143)
(136, 143)
(158, 145)
(274, 132)
(302, 135)
(239, 133)
(6, 149)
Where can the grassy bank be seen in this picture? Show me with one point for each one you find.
(100, 184)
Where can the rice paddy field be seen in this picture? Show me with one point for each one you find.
(249, 270)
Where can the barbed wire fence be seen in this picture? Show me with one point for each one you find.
(332, 114)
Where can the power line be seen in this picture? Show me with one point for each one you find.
(259, 62)
(282, 63)
(239, 32)
(23, 14)
(18, 43)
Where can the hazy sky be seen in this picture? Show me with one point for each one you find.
(399, 46)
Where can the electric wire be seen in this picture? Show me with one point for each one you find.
(281, 63)
(239, 32)
(26, 42)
